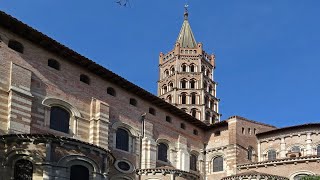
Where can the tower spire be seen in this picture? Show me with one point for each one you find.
(185, 37)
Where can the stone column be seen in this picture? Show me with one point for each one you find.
(259, 151)
(183, 157)
(282, 148)
(309, 144)
(149, 148)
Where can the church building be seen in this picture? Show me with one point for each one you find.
(65, 117)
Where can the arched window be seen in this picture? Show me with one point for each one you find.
(122, 139)
(295, 149)
(164, 88)
(166, 73)
(183, 83)
(54, 64)
(23, 170)
(78, 172)
(184, 68)
(15, 45)
(183, 98)
(111, 91)
(208, 73)
(133, 102)
(218, 164)
(169, 99)
(193, 84)
(59, 119)
(318, 150)
(193, 98)
(170, 86)
(163, 152)
(203, 69)
(206, 101)
(84, 78)
(272, 155)
(192, 68)
(205, 86)
(172, 69)
(210, 90)
(250, 153)
(193, 162)
(194, 112)
(152, 111)
(207, 115)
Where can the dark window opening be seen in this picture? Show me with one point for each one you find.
(78, 172)
(59, 119)
(192, 84)
(122, 139)
(183, 99)
(318, 150)
(23, 170)
(111, 91)
(168, 119)
(217, 133)
(184, 68)
(163, 152)
(192, 68)
(84, 78)
(250, 153)
(54, 64)
(193, 162)
(183, 84)
(207, 116)
(152, 111)
(193, 98)
(15, 45)
(217, 164)
(133, 102)
(272, 155)
(194, 112)
(182, 126)
(195, 132)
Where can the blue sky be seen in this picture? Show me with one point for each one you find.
(267, 52)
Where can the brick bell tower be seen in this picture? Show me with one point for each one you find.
(186, 77)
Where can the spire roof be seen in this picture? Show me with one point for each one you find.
(186, 37)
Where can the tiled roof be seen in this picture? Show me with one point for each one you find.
(254, 174)
(309, 125)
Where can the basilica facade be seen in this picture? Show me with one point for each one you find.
(62, 116)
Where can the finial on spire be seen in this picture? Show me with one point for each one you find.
(186, 11)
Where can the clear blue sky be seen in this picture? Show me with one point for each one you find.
(267, 52)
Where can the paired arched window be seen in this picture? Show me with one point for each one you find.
(84, 79)
(163, 152)
(122, 139)
(194, 112)
(111, 91)
(54, 64)
(183, 83)
(23, 170)
(207, 116)
(184, 68)
(78, 172)
(193, 162)
(272, 155)
(318, 150)
(59, 119)
(183, 98)
(192, 68)
(217, 164)
(166, 73)
(193, 98)
(15, 45)
(193, 84)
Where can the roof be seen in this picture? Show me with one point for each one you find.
(248, 120)
(309, 125)
(186, 38)
(254, 173)
(27, 32)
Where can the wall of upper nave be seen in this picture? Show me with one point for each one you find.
(299, 142)
(289, 169)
